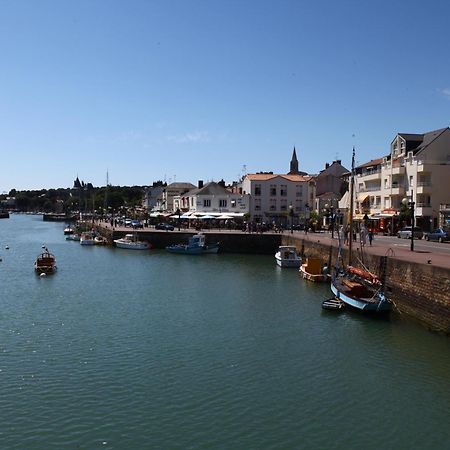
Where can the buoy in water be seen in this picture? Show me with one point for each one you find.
(6, 247)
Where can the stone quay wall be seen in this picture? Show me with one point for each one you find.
(419, 291)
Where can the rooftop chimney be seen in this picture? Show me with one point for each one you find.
(200, 184)
(327, 165)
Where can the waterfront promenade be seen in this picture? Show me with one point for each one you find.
(429, 253)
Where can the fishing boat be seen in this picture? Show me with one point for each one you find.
(286, 256)
(312, 270)
(131, 242)
(195, 246)
(45, 262)
(68, 230)
(358, 287)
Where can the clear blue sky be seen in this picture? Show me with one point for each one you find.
(186, 90)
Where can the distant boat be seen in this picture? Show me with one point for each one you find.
(68, 230)
(195, 246)
(45, 262)
(312, 270)
(286, 256)
(73, 237)
(357, 287)
(131, 242)
(87, 238)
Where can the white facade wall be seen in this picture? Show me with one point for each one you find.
(272, 198)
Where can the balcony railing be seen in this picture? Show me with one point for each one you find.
(423, 183)
(423, 205)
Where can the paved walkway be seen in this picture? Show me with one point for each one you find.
(436, 255)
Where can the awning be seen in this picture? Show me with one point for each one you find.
(362, 197)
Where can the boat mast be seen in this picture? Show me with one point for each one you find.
(350, 222)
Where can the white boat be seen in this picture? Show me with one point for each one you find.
(87, 238)
(286, 256)
(130, 241)
(100, 240)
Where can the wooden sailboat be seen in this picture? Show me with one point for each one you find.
(357, 287)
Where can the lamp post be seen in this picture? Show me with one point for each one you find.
(410, 204)
(291, 214)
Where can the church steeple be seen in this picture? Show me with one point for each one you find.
(294, 164)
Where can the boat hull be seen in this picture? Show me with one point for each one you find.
(318, 278)
(186, 250)
(131, 245)
(366, 305)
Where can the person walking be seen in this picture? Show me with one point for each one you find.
(370, 235)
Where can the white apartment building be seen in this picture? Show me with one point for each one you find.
(417, 168)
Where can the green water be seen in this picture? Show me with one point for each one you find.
(150, 350)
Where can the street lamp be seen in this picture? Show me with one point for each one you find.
(291, 214)
(410, 204)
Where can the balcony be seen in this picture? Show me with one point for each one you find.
(397, 189)
(423, 187)
(423, 209)
(370, 176)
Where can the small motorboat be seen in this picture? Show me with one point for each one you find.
(87, 238)
(333, 303)
(68, 230)
(312, 270)
(286, 256)
(131, 242)
(45, 262)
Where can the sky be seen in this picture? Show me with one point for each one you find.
(187, 90)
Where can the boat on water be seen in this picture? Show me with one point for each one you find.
(68, 230)
(287, 256)
(45, 262)
(312, 270)
(195, 246)
(131, 242)
(358, 287)
(87, 238)
(100, 240)
(73, 237)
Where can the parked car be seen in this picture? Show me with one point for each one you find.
(405, 233)
(164, 226)
(439, 235)
(127, 222)
(136, 224)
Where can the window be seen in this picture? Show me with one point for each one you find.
(257, 189)
(283, 205)
(206, 203)
(233, 203)
(283, 190)
(222, 203)
(257, 204)
(298, 190)
(411, 181)
(273, 204)
(273, 190)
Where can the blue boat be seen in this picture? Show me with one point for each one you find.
(195, 246)
(357, 287)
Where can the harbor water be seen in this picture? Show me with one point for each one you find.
(149, 350)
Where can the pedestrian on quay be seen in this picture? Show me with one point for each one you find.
(370, 235)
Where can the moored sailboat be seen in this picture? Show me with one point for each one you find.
(357, 287)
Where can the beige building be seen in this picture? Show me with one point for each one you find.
(417, 168)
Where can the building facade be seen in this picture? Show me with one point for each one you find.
(214, 199)
(418, 169)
